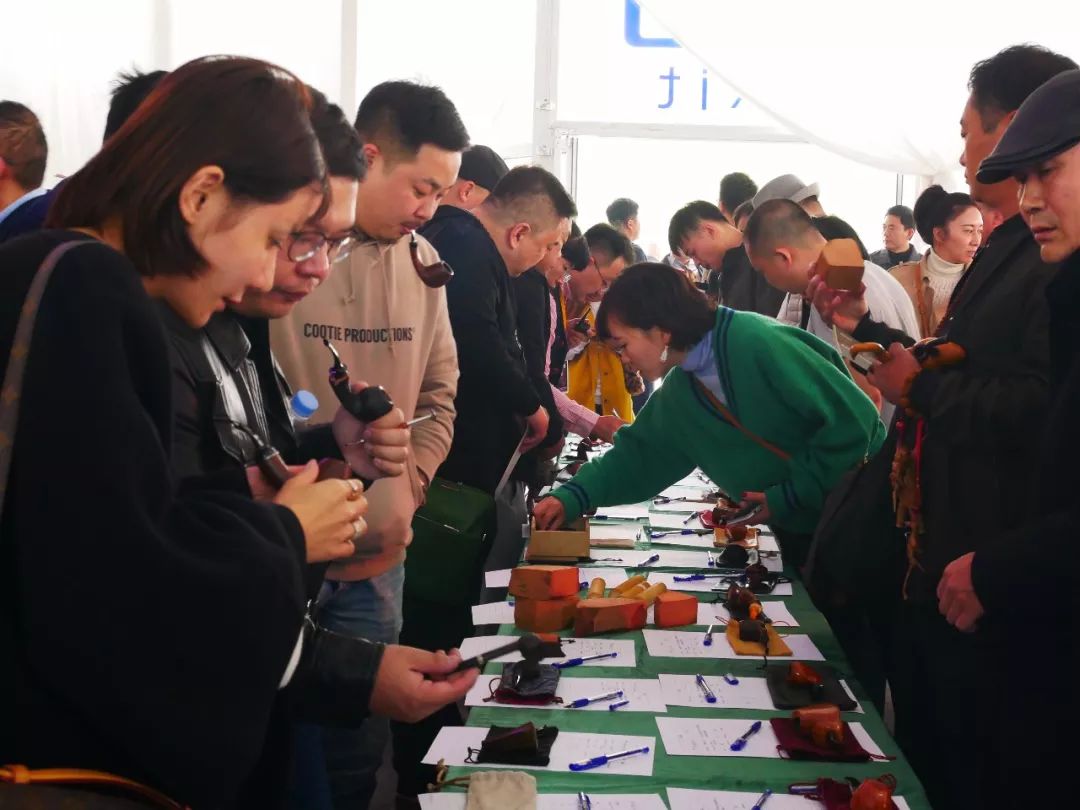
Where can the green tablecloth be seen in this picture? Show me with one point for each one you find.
(715, 773)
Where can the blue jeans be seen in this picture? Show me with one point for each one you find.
(350, 757)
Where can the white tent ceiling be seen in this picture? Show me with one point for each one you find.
(882, 83)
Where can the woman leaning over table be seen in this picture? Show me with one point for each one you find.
(767, 411)
(147, 628)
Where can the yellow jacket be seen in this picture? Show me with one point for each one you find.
(598, 361)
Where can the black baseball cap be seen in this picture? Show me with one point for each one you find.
(483, 166)
(1047, 123)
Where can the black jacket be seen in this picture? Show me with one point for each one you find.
(744, 288)
(144, 630)
(1002, 568)
(882, 258)
(533, 298)
(206, 438)
(978, 452)
(29, 216)
(1039, 563)
(494, 391)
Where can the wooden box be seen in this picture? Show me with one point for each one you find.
(561, 545)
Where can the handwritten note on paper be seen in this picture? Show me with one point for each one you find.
(557, 801)
(453, 743)
(668, 558)
(687, 644)
(493, 613)
(582, 647)
(694, 737)
(686, 799)
(748, 693)
(644, 694)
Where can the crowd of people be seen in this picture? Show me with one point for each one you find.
(220, 616)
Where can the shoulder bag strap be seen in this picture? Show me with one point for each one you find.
(16, 367)
(725, 411)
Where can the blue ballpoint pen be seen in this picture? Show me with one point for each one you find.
(705, 690)
(581, 703)
(576, 662)
(604, 759)
(764, 797)
(700, 577)
(740, 743)
(651, 560)
(583, 801)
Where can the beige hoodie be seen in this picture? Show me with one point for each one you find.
(390, 330)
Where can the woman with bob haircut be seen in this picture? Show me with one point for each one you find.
(147, 630)
(767, 411)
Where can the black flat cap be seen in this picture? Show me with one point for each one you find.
(1047, 123)
(483, 166)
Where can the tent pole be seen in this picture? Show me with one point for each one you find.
(350, 47)
(545, 83)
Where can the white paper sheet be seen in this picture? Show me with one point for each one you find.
(498, 579)
(708, 613)
(687, 644)
(453, 743)
(706, 585)
(683, 507)
(749, 693)
(501, 578)
(644, 694)
(580, 648)
(669, 558)
(696, 491)
(557, 801)
(630, 511)
(701, 541)
(695, 737)
(604, 530)
(696, 479)
(686, 799)
(493, 613)
(673, 520)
